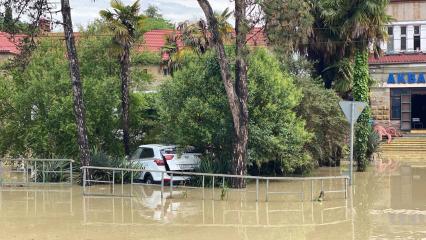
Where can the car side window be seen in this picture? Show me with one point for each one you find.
(136, 154)
(147, 153)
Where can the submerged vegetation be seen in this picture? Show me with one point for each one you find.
(286, 96)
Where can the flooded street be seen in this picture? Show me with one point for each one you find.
(388, 202)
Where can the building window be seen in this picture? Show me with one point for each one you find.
(403, 38)
(395, 104)
(417, 38)
(390, 47)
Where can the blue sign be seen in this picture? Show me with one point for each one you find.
(406, 78)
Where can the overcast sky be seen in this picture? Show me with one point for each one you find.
(85, 11)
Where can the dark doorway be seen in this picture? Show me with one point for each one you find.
(418, 111)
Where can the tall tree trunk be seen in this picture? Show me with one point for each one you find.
(125, 80)
(237, 94)
(79, 110)
(241, 89)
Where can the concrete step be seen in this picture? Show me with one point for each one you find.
(404, 144)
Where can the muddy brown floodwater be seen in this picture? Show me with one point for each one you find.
(388, 202)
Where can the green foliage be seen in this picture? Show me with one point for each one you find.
(328, 32)
(101, 159)
(288, 23)
(153, 23)
(320, 109)
(152, 11)
(36, 102)
(191, 115)
(361, 93)
(146, 58)
(373, 143)
(154, 19)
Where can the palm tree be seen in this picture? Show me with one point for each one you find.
(124, 21)
(196, 34)
(353, 26)
(360, 24)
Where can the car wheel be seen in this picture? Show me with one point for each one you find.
(149, 179)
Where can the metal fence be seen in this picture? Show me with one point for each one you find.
(215, 180)
(36, 171)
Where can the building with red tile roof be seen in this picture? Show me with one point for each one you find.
(401, 58)
(398, 97)
(9, 44)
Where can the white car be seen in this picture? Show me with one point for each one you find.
(163, 158)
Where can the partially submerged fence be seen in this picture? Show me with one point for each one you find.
(36, 171)
(167, 183)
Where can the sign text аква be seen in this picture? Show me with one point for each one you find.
(406, 78)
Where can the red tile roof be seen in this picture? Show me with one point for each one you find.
(156, 39)
(10, 44)
(399, 58)
(153, 40)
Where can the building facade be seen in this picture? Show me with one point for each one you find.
(398, 97)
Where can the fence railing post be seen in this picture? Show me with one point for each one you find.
(43, 173)
(122, 182)
(71, 180)
(267, 189)
(213, 188)
(171, 185)
(346, 188)
(162, 185)
(257, 189)
(202, 184)
(113, 182)
(84, 180)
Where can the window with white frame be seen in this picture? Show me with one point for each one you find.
(390, 47)
(403, 38)
(416, 38)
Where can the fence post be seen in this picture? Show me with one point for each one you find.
(346, 188)
(171, 185)
(162, 185)
(267, 188)
(71, 180)
(203, 186)
(257, 189)
(312, 190)
(35, 171)
(42, 171)
(213, 188)
(113, 182)
(84, 180)
(122, 182)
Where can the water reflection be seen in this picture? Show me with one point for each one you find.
(386, 203)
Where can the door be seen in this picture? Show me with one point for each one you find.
(406, 110)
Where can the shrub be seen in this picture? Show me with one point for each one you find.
(194, 111)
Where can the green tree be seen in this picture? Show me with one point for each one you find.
(191, 116)
(124, 22)
(153, 12)
(361, 92)
(154, 20)
(39, 100)
(236, 85)
(328, 31)
(8, 22)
